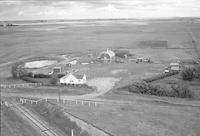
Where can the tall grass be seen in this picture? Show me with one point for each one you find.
(55, 116)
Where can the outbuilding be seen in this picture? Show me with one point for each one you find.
(174, 66)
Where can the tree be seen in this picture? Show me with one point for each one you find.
(188, 73)
(54, 79)
(15, 70)
(182, 91)
(197, 72)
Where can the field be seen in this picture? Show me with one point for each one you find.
(142, 118)
(164, 41)
(13, 125)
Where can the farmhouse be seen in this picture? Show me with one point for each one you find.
(107, 55)
(73, 79)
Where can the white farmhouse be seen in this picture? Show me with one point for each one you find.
(107, 55)
(73, 79)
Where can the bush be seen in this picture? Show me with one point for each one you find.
(188, 73)
(145, 88)
(54, 79)
(177, 90)
(197, 72)
(30, 79)
(160, 76)
(17, 71)
(41, 76)
(181, 91)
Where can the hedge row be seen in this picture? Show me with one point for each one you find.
(21, 73)
(30, 79)
(177, 90)
(160, 76)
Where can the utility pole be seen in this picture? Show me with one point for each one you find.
(59, 93)
(72, 132)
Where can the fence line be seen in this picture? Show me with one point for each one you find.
(64, 101)
(19, 85)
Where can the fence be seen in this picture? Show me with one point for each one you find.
(64, 101)
(19, 85)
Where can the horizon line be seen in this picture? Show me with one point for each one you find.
(142, 18)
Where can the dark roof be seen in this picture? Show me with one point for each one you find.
(104, 55)
(78, 76)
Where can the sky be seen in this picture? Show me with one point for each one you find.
(96, 9)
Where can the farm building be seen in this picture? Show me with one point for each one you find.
(73, 79)
(107, 55)
(174, 66)
(57, 69)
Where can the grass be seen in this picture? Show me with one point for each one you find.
(53, 90)
(141, 118)
(13, 125)
(55, 116)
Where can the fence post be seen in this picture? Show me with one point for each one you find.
(95, 104)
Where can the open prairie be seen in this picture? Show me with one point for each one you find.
(35, 40)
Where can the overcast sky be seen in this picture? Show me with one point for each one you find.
(87, 9)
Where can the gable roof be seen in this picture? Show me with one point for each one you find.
(174, 64)
(110, 53)
(107, 53)
(77, 76)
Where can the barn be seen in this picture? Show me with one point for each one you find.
(73, 79)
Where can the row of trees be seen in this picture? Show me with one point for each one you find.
(19, 72)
